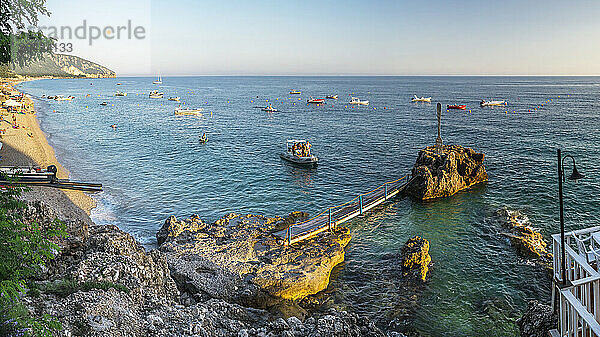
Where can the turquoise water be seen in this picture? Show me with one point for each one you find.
(152, 166)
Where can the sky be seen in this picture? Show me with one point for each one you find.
(377, 37)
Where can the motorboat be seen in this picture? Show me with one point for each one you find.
(188, 111)
(356, 101)
(63, 98)
(315, 100)
(156, 94)
(269, 109)
(457, 107)
(203, 139)
(176, 99)
(421, 99)
(295, 92)
(120, 93)
(158, 80)
(298, 152)
(332, 97)
(117, 83)
(104, 103)
(492, 103)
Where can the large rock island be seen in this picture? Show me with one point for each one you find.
(441, 175)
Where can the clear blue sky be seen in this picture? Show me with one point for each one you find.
(348, 37)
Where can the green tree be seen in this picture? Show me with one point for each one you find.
(24, 249)
(18, 43)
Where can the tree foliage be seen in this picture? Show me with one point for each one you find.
(16, 18)
(24, 250)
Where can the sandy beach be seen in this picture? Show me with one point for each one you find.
(27, 145)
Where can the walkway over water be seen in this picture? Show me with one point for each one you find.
(336, 215)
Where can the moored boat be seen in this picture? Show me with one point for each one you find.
(188, 111)
(332, 97)
(421, 99)
(203, 139)
(298, 152)
(357, 101)
(457, 107)
(295, 92)
(492, 103)
(120, 93)
(176, 99)
(315, 100)
(156, 94)
(158, 80)
(269, 109)
(63, 98)
(104, 103)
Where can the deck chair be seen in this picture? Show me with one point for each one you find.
(585, 248)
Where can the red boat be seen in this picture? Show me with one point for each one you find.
(316, 100)
(457, 107)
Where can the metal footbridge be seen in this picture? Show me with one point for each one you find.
(333, 216)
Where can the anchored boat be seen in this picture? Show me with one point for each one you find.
(421, 99)
(62, 98)
(269, 109)
(356, 101)
(156, 94)
(120, 93)
(298, 152)
(315, 100)
(492, 103)
(188, 111)
(295, 92)
(158, 80)
(203, 139)
(457, 107)
(332, 97)
(176, 99)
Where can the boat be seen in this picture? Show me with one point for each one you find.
(117, 83)
(355, 100)
(295, 92)
(158, 80)
(298, 152)
(421, 99)
(62, 98)
(203, 139)
(315, 100)
(156, 94)
(332, 97)
(176, 99)
(120, 93)
(457, 107)
(492, 103)
(104, 103)
(188, 111)
(269, 109)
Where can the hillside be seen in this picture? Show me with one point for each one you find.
(61, 65)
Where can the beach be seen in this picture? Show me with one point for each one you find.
(27, 145)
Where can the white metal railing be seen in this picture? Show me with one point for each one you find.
(579, 301)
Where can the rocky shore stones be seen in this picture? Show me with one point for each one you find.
(238, 254)
(415, 258)
(442, 175)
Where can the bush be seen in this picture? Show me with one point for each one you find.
(24, 249)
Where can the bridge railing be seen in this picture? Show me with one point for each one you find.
(338, 213)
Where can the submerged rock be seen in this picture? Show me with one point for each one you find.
(238, 258)
(527, 240)
(415, 258)
(435, 175)
(537, 320)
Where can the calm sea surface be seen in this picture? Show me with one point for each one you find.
(152, 166)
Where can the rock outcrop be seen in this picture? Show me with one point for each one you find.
(527, 240)
(109, 285)
(416, 259)
(537, 320)
(435, 175)
(237, 258)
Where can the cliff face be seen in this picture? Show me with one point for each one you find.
(62, 65)
(436, 175)
(238, 255)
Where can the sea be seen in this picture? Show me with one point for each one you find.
(152, 166)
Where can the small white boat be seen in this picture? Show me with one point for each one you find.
(492, 103)
(158, 80)
(62, 98)
(104, 103)
(269, 109)
(156, 94)
(295, 92)
(332, 97)
(176, 99)
(298, 152)
(421, 99)
(355, 100)
(120, 93)
(188, 111)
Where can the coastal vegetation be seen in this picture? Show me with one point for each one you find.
(24, 250)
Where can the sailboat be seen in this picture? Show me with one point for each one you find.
(158, 80)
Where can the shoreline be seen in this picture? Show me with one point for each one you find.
(28, 145)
